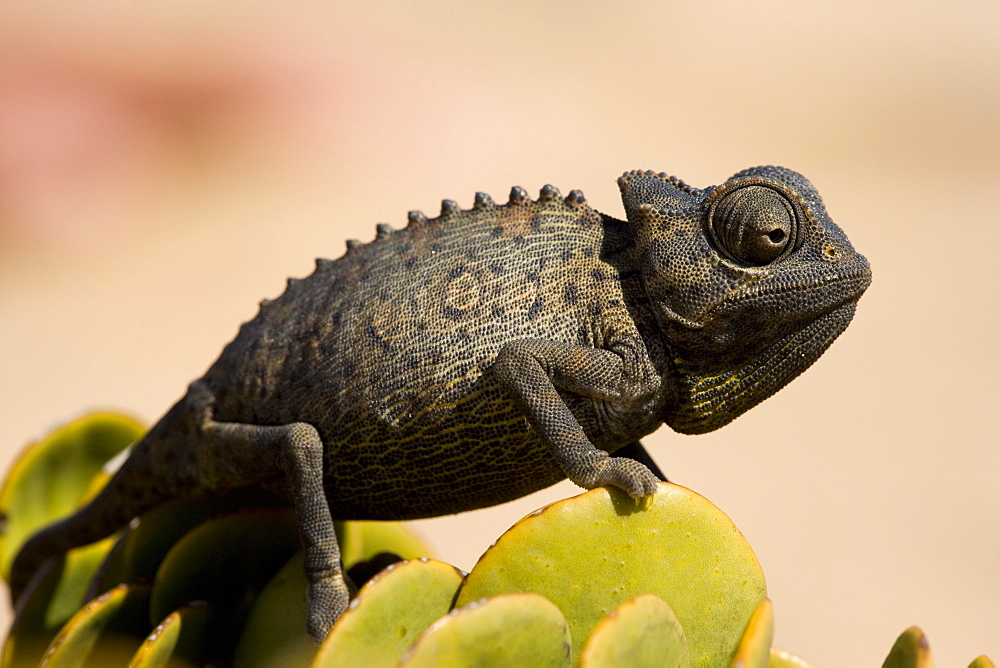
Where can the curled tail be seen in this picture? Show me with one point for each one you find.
(159, 468)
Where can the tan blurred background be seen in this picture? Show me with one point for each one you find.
(162, 168)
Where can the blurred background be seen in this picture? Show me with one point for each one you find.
(165, 166)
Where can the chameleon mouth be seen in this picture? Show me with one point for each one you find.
(806, 299)
(818, 294)
(806, 296)
(709, 397)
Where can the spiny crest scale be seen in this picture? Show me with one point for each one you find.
(416, 218)
(576, 198)
(483, 201)
(518, 196)
(549, 193)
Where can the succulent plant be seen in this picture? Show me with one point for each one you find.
(596, 580)
(593, 552)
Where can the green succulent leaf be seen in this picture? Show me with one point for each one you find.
(590, 553)
(911, 650)
(182, 639)
(784, 659)
(394, 537)
(270, 640)
(642, 631)
(78, 570)
(29, 635)
(275, 632)
(506, 630)
(362, 540)
(55, 595)
(53, 476)
(388, 614)
(225, 561)
(105, 632)
(139, 552)
(754, 650)
(982, 661)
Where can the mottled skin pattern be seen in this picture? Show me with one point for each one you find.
(473, 358)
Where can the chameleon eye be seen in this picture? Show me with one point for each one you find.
(753, 224)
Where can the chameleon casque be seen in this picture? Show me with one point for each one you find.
(473, 358)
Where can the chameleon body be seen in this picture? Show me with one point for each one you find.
(476, 357)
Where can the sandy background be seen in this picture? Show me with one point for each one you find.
(164, 168)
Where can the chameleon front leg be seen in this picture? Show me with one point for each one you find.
(532, 369)
(231, 455)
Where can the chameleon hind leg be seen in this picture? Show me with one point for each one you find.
(233, 454)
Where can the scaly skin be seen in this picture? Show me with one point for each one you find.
(485, 354)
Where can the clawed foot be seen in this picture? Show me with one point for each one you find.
(624, 473)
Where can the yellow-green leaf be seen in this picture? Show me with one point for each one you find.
(225, 561)
(182, 639)
(394, 537)
(642, 631)
(55, 595)
(506, 630)
(754, 650)
(911, 650)
(54, 475)
(389, 612)
(783, 659)
(141, 550)
(275, 632)
(590, 553)
(105, 632)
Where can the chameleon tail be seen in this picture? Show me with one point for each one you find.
(147, 478)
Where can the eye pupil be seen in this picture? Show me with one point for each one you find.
(753, 222)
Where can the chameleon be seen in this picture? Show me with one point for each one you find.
(473, 358)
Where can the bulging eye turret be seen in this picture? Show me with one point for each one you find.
(753, 223)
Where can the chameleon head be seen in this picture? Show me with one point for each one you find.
(750, 282)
